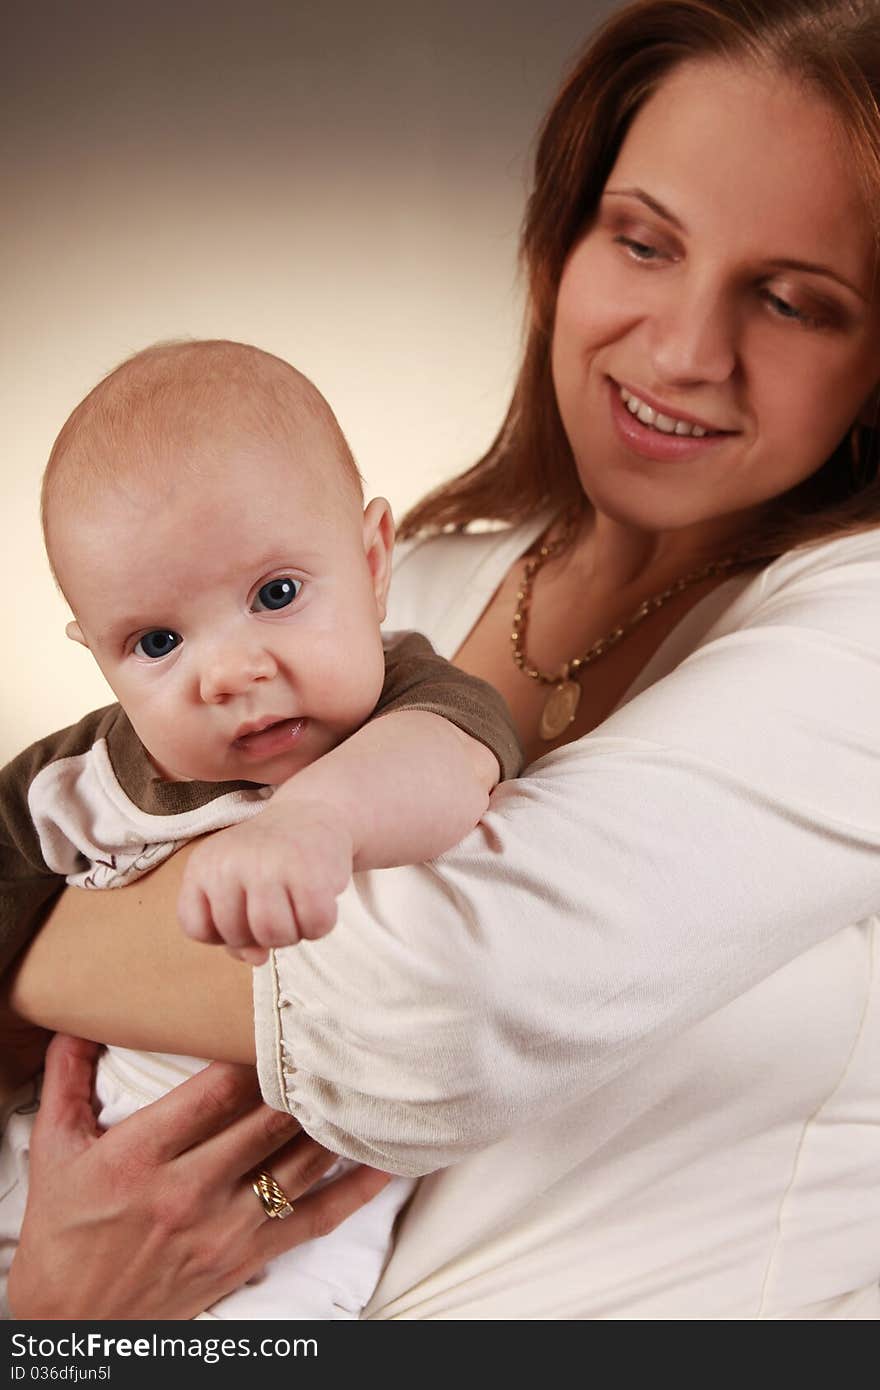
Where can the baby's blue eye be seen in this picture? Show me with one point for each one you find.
(278, 593)
(157, 643)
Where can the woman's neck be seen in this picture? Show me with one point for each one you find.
(616, 558)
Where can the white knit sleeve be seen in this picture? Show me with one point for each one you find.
(721, 823)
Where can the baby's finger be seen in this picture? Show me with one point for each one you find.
(316, 913)
(251, 955)
(229, 913)
(194, 912)
(271, 917)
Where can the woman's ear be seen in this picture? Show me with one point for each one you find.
(378, 548)
(869, 415)
(75, 633)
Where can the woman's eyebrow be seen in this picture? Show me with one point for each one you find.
(780, 263)
(649, 202)
(813, 268)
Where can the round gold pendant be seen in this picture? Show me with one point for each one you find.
(560, 710)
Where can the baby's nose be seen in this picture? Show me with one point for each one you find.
(231, 670)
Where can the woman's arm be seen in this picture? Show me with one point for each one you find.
(131, 977)
(722, 823)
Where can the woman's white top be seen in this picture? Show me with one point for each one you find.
(638, 1009)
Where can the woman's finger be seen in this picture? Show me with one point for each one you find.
(296, 1167)
(230, 1149)
(66, 1122)
(191, 1114)
(319, 1213)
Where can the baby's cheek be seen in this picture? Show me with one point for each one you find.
(349, 710)
(373, 680)
(352, 682)
(174, 748)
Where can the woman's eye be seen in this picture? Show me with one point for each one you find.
(782, 306)
(157, 643)
(784, 309)
(639, 250)
(278, 593)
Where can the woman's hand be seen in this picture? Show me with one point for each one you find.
(157, 1218)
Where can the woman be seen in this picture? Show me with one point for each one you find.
(637, 1009)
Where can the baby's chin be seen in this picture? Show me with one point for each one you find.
(202, 772)
(166, 775)
(213, 775)
(266, 757)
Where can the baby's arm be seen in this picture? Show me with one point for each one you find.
(405, 787)
(402, 789)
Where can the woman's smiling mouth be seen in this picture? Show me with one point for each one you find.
(655, 419)
(656, 434)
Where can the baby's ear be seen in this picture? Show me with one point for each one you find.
(378, 546)
(75, 633)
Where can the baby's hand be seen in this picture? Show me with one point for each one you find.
(270, 881)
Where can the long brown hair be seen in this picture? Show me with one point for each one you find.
(833, 45)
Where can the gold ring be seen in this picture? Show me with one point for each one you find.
(273, 1199)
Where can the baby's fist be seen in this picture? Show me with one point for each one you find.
(271, 881)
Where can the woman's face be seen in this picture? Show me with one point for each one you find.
(724, 293)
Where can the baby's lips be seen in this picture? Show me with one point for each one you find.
(270, 739)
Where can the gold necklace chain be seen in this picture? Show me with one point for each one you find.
(561, 704)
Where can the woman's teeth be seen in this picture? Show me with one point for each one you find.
(651, 417)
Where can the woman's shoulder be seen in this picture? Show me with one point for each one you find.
(473, 549)
(441, 583)
(857, 553)
(834, 583)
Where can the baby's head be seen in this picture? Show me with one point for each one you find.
(204, 519)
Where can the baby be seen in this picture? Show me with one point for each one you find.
(204, 518)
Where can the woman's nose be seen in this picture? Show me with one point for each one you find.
(695, 338)
(232, 668)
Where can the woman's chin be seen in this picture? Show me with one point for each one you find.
(635, 508)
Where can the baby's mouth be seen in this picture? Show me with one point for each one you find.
(268, 740)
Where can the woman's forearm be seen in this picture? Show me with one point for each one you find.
(717, 826)
(114, 966)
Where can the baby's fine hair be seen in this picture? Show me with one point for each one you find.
(167, 408)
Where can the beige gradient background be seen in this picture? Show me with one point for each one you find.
(340, 183)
